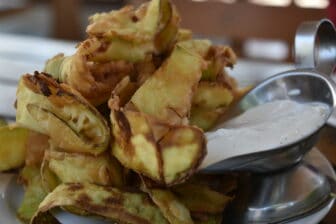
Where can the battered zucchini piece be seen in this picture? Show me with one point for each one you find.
(94, 81)
(183, 35)
(173, 85)
(81, 168)
(20, 146)
(111, 203)
(129, 34)
(172, 209)
(61, 113)
(167, 34)
(34, 192)
(209, 102)
(122, 93)
(201, 199)
(49, 179)
(217, 89)
(168, 160)
(218, 57)
(36, 146)
(115, 49)
(150, 132)
(203, 218)
(13, 146)
(135, 146)
(127, 23)
(212, 95)
(197, 46)
(183, 149)
(204, 118)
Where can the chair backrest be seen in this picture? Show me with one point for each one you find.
(243, 20)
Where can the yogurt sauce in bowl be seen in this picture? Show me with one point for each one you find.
(264, 127)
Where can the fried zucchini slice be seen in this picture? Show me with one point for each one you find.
(168, 160)
(172, 209)
(183, 149)
(20, 146)
(167, 33)
(218, 57)
(204, 118)
(61, 113)
(135, 146)
(36, 145)
(13, 146)
(82, 168)
(203, 218)
(212, 100)
(145, 128)
(59, 66)
(212, 95)
(49, 179)
(127, 23)
(110, 203)
(34, 192)
(209, 102)
(197, 46)
(201, 199)
(172, 85)
(183, 35)
(122, 93)
(130, 34)
(115, 49)
(94, 81)
(225, 184)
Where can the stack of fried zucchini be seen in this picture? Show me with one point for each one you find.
(117, 129)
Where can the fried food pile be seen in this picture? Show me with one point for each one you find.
(116, 130)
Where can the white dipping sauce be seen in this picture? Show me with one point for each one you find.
(264, 127)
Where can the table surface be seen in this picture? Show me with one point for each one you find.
(17, 58)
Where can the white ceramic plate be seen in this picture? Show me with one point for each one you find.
(11, 195)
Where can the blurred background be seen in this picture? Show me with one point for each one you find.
(257, 29)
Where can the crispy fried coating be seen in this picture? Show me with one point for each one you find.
(112, 203)
(13, 148)
(58, 111)
(100, 170)
(34, 192)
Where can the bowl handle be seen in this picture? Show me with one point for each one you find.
(315, 46)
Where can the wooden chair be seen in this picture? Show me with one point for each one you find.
(243, 20)
(8, 11)
(66, 22)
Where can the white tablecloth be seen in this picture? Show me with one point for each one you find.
(20, 55)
